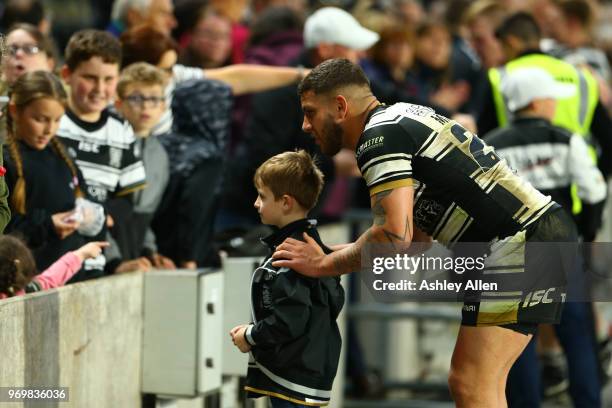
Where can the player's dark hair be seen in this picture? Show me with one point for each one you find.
(331, 75)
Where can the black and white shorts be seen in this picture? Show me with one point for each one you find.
(533, 264)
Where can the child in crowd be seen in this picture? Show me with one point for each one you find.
(142, 102)
(28, 50)
(100, 142)
(18, 274)
(294, 339)
(45, 184)
(25, 49)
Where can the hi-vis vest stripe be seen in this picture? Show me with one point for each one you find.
(574, 113)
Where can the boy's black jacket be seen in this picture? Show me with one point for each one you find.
(295, 337)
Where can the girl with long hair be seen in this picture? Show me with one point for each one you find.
(44, 182)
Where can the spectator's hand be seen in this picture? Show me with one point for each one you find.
(238, 335)
(467, 121)
(133, 265)
(63, 224)
(162, 262)
(91, 250)
(451, 96)
(189, 265)
(109, 221)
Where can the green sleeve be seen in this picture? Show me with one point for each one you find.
(5, 212)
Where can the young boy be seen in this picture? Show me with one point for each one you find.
(100, 142)
(141, 101)
(294, 339)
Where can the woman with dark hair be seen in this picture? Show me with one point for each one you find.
(208, 43)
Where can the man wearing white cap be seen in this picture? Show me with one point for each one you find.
(552, 159)
(331, 32)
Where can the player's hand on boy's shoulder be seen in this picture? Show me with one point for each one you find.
(305, 257)
(238, 335)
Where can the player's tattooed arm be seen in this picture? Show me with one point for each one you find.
(378, 211)
(392, 224)
(392, 210)
(389, 210)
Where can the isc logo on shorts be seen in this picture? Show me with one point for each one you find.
(541, 296)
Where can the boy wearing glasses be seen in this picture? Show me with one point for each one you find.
(141, 101)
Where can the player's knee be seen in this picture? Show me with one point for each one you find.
(459, 385)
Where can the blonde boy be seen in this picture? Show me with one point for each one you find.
(141, 101)
(294, 339)
(140, 96)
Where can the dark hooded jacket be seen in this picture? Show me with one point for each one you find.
(294, 336)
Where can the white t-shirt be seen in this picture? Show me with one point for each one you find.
(180, 73)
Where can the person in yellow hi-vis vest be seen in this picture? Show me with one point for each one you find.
(581, 113)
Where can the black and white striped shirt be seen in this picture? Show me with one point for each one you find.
(104, 153)
(463, 190)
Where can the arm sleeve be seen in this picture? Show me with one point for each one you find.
(290, 313)
(384, 157)
(59, 272)
(182, 73)
(5, 212)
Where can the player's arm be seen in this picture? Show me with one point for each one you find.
(392, 226)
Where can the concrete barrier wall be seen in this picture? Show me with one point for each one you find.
(87, 337)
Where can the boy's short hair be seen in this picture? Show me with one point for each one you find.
(292, 173)
(86, 44)
(141, 73)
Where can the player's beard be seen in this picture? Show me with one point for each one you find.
(331, 140)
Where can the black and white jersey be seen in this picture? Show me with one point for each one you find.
(550, 158)
(463, 190)
(103, 151)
